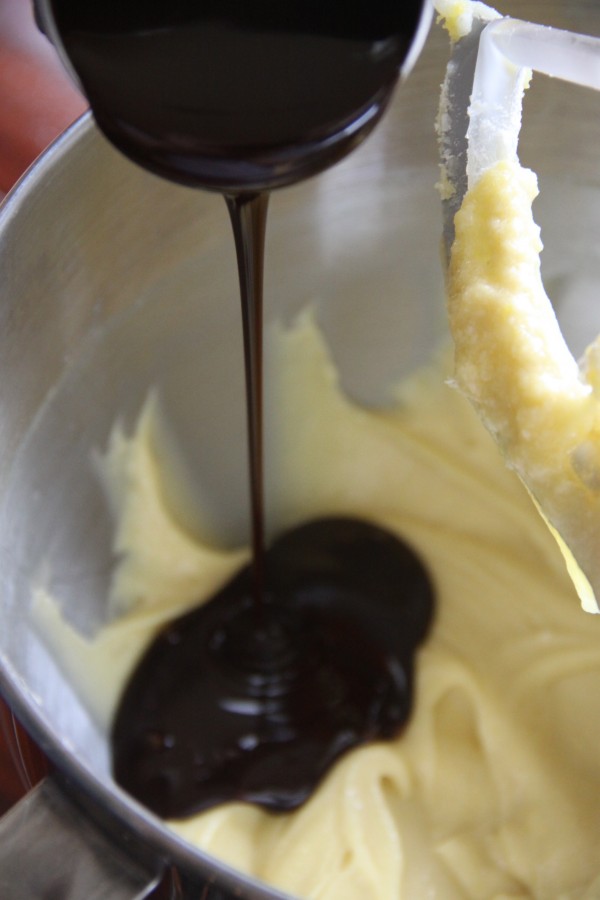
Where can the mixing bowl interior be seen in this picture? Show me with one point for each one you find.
(116, 284)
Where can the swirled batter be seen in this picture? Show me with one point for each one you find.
(492, 789)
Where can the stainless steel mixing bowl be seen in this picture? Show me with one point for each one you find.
(113, 282)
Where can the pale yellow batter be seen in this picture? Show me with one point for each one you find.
(513, 363)
(493, 790)
(541, 406)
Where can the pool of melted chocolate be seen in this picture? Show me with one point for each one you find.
(309, 650)
(232, 702)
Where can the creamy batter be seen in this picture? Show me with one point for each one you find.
(492, 791)
(513, 363)
(511, 360)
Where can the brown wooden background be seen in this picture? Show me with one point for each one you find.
(11, 787)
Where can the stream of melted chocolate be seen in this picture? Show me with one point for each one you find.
(308, 651)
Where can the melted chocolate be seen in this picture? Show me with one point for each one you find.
(309, 651)
(234, 95)
(223, 707)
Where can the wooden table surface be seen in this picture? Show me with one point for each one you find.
(21, 763)
(11, 782)
(37, 102)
